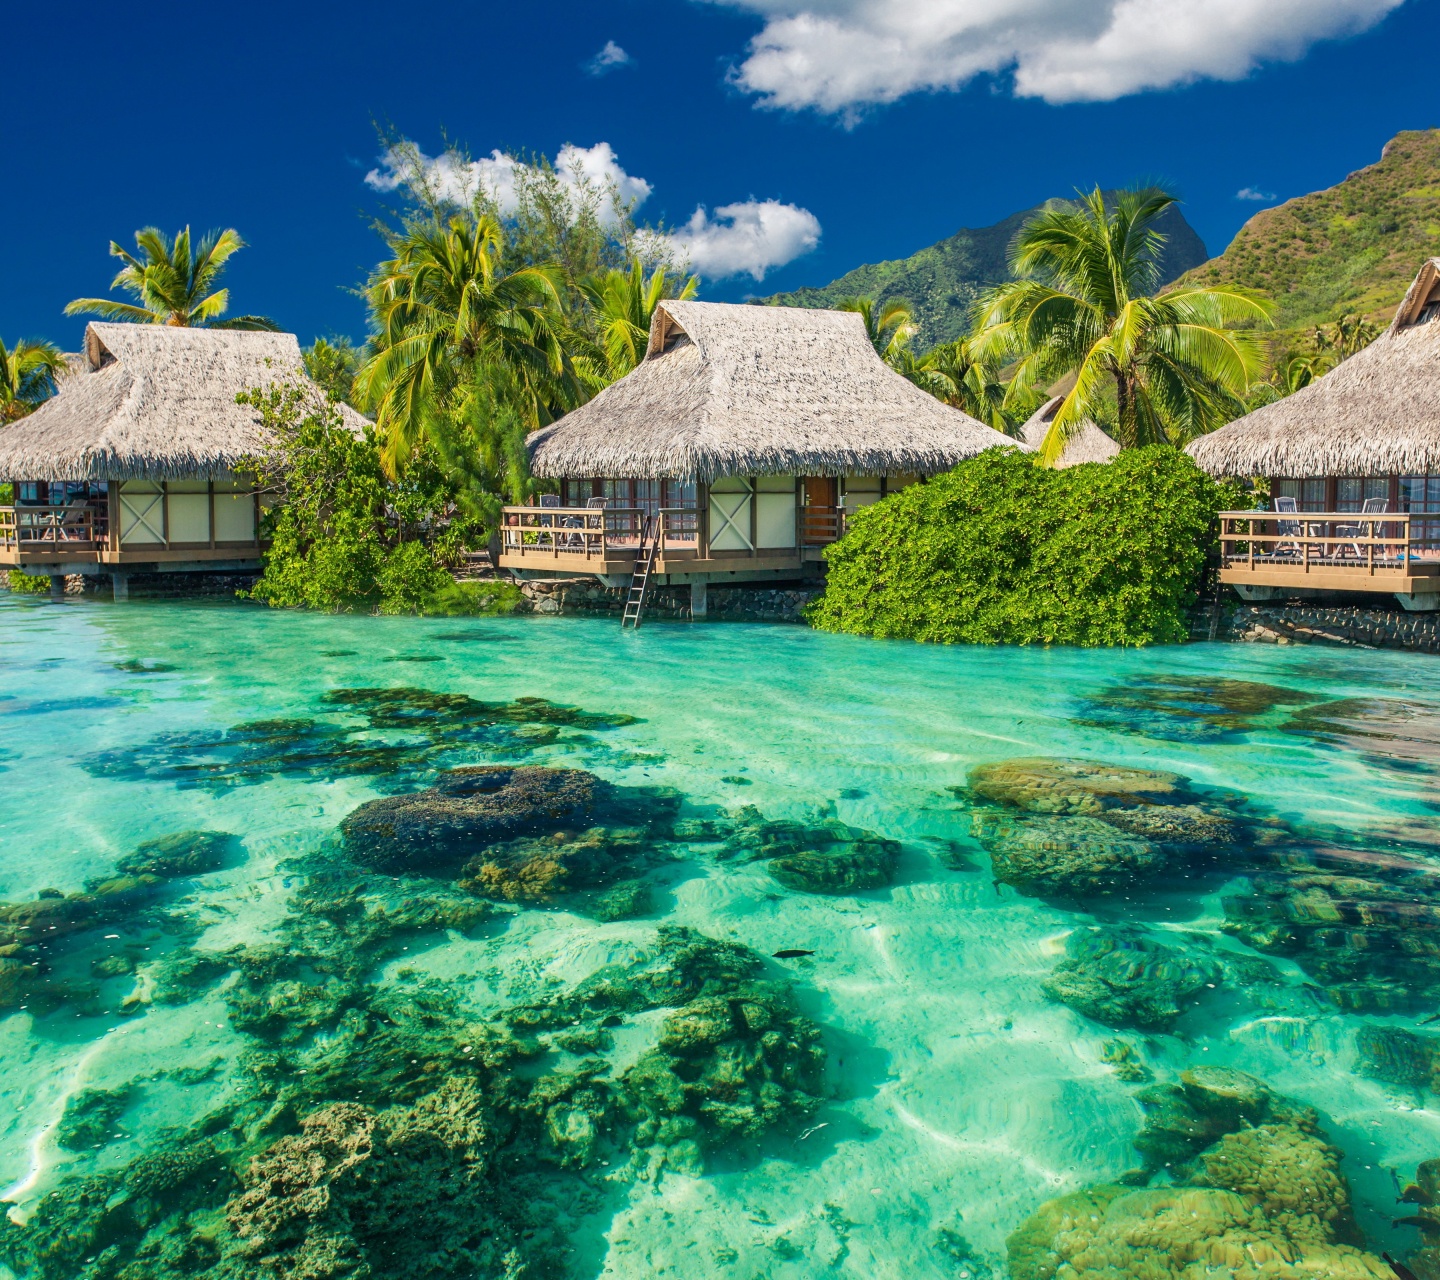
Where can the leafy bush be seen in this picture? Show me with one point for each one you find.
(344, 535)
(31, 584)
(1003, 551)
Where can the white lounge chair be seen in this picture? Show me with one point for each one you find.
(1287, 528)
(1362, 528)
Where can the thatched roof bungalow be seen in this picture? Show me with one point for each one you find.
(132, 463)
(1089, 444)
(745, 435)
(1362, 440)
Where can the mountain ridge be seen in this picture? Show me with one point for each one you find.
(941, 281)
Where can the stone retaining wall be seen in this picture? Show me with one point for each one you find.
(157, 586)
(1371, 627)
(724, 604)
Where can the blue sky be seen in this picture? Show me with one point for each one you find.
(867, 128)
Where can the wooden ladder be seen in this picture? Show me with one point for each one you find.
(640, 577)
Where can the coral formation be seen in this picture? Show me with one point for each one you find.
(1050, 856)
(89, 1117)
(824, 857)
(1255, 1193)
(1122, 978)
(186, 853)
(438, 828)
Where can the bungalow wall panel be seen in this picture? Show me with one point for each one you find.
(775, 512)
(234, 514)
(142, 514)
(189, 511)
(731, 512)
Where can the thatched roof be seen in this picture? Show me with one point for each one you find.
(153, 402)
(1375, 414)
(1089, 444)
(728, 389)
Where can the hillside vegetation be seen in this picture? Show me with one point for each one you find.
(1353, 248)
(941, 282)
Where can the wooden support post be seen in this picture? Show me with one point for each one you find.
(57, 586)
(699, 597)
(120, 584)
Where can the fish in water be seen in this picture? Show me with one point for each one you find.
(1399, 1268)
(792, 953)
(814, 1129)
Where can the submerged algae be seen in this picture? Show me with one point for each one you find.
(434, 728)
(1188, 708)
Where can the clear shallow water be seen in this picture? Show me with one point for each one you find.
(959, 1096)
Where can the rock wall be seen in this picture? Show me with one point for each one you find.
(157, 586)
(726, 604)
(1367, 626)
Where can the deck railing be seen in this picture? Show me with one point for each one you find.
(600, 533)
(820, 526)
(592, 533)
(44, 529)
(1322, 541)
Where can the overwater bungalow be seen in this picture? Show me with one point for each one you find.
(1089, 444)
(734, 452)
(130, 467)
(1353, 465)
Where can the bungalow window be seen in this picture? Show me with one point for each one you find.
(1420, 495)
(1309, 494)
(1352, 492)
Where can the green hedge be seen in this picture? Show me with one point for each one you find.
(1004, 551)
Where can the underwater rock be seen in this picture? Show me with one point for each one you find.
(1257, 1193)
(823, 857)
(465, 810)
(848, 867)
(1176, 826)
(1055, 786)
(186, 853)
(89, 1117)
(727, 1066)
(1410, 1059)
(1370, 939)
(537, 870)
(1073, 857)
(1121, 978)
(1401, 736)
(1187, 708)
(1126, 1061)
(433, 725)
(403, 1191)
(624, 901)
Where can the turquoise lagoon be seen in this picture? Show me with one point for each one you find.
(958, 1097)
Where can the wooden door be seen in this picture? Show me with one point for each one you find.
(819, 521)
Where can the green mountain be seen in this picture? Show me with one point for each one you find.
(1352, 248)
(940, 283)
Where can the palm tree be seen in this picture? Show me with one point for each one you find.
(889, 327)
(173, 283)
(623, 304)
(27, 377)
(1164, 368)
(964, 377)
(445, 311)
(1343, 338)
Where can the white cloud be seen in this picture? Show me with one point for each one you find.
(611, 57)
(1250, 193)
(749, 238)
(744, 239)
(843, 55)
(451, 177)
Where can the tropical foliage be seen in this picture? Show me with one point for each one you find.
(346, 536)
(331, 364)
(173, 282)
(623, 303)
(27, 376)
(1002, 550)
(1156, 369)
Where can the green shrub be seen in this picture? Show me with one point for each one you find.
(472, 599)
(344, 535)
(1003, 551)
(30, 584)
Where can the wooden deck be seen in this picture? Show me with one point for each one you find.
(76, 539)
(605, 541)
(1329, 551)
